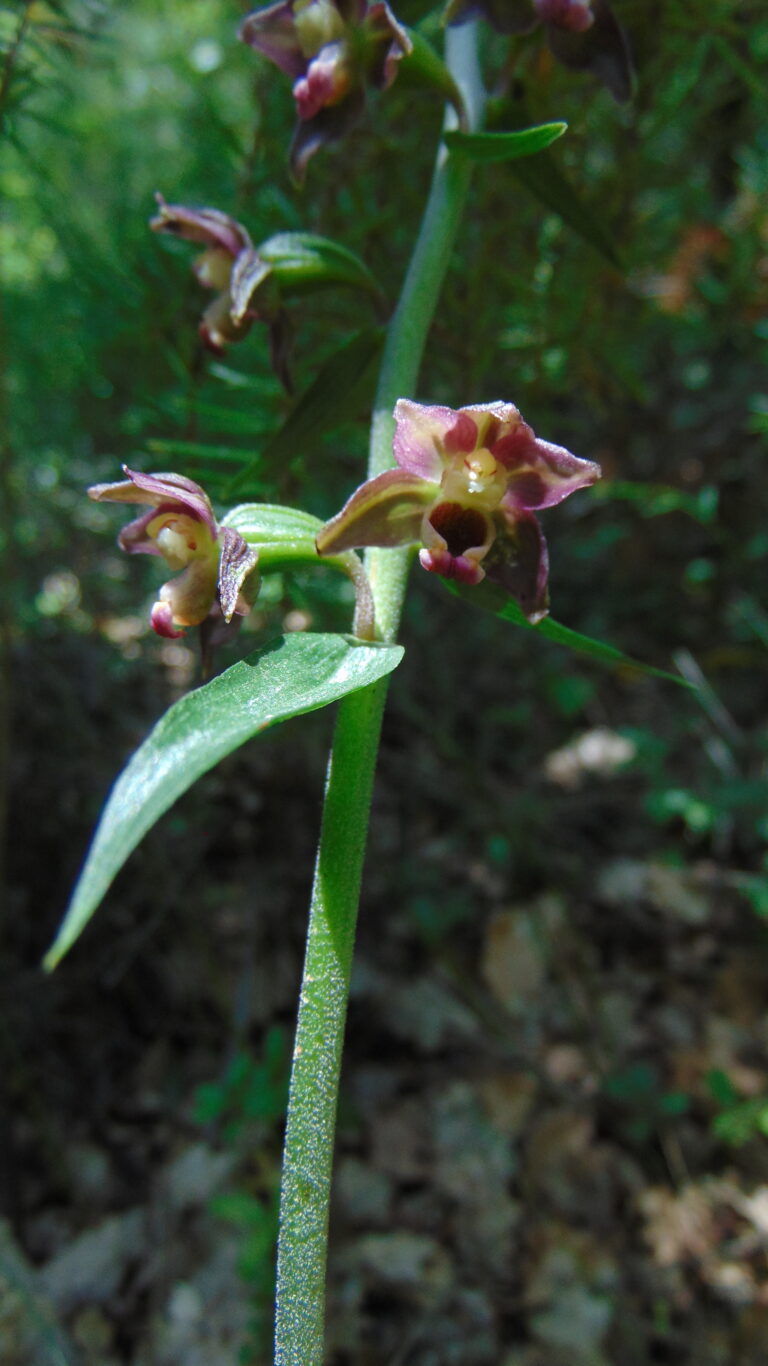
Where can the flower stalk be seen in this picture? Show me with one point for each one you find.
(310, 1129)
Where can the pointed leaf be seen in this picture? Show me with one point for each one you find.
(492, 599)
(295, 674)
(302, 262)
(491, 147)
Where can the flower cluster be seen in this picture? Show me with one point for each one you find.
(467, 484)
(214, 562)
(232, 266)
(332, 50)
(584, 35)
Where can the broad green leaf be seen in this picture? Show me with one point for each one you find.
(346, 380)
(271, 522)
(493, 599)
(490, 147)
(302, 262)
(295, 674)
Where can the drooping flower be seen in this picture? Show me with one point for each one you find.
(332, 50)
(467, 484)
(231, 266)
(214, 562)
(584, 35)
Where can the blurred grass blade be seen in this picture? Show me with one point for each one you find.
(492, 147)
(546, 182)
(295, 674)
(346, 381)
(493, 599)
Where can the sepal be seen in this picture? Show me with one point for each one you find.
(385, 511)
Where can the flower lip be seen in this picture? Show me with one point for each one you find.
(460, 527)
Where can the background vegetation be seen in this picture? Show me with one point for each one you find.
(557, 1078)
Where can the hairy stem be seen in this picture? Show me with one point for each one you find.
(309, 1138)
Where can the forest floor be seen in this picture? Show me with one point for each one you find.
(551, 1139)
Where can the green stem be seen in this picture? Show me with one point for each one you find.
(309, 1137)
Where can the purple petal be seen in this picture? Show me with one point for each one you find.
(385, 511)
(518, 563)
(238, 560)
(174, 491)
(326, 82)
(491, 421)
(462, 436)
(134, 541)
(544, 474)
(420, 432)
(209, 226)
(272, 31)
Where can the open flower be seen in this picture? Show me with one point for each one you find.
(584, 35)
(332, 49)
(231, 266)
(214, 562)
(467, 484)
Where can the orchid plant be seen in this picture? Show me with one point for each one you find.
(462, 484)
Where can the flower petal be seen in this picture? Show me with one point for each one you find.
(238, 560)
(272, 31)
(385, 511)
(209, 226)
(174, 490)
(161, 619)
(249, 272)
(192, 593)
(456, 538)
(518, 562)
(420, 432)
(326, 82)
(544, 474)
(387, 42)
(133, 538)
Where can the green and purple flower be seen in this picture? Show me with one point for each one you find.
(213, 562)
(241, 278)
(584, 35)
(466, 485)
(332, 50)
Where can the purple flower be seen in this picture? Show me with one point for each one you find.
(231, 266)
(214, 562)
(466, 484)
(332, 50)
(584, 35)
